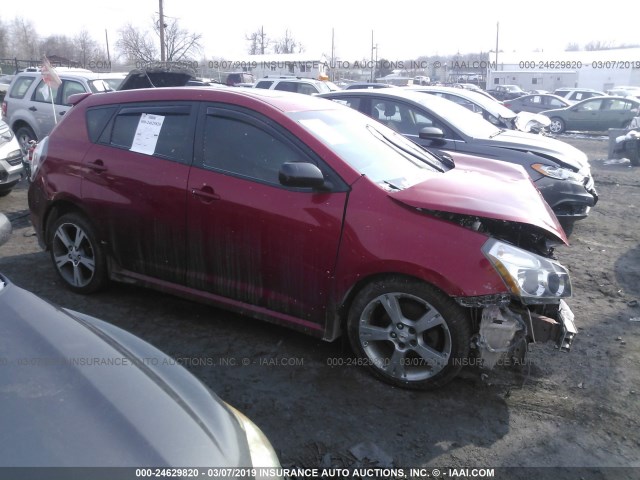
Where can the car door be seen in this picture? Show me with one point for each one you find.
(585, 115)
(135, 184)
(615, 113)
(250, 238)
(45, 108)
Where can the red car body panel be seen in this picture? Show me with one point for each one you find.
(286, 256)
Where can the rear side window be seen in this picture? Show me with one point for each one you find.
(287, 86)
(44, 94)
(20, 87)
(264, 84)
(161, 131)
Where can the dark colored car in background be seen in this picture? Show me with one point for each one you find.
(596, 114)
(326, 222)
(79, 392)
(506, 92)
(535, 103)
(560, 171)
(491, 110)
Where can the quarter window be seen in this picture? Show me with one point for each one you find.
(20, 87)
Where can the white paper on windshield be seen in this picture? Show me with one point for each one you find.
(147, 133)
(330, 135)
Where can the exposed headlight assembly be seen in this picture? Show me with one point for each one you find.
(532, 278)
(557, 172)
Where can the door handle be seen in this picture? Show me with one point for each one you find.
(33, 109)
(97, 166)
(206, 194)
(62, 113)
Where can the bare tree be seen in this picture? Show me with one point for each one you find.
(140, 45)
(599, 45)
(4, 39)
(258, 42)
(180, 44)
(24, 39)
(288, 44)
(87, 48)
(572, 47)
(59, 45)
(136, 45)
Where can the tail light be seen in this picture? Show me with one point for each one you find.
(37, 155)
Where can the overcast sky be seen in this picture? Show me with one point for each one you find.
(401, 30)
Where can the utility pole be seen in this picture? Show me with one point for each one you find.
(163, 56)
(262, 40)
(497, 35)
(106, 38)
(372, 64)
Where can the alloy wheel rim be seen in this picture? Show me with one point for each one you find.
(404, 336)
(74, 255)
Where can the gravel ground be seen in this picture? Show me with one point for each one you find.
(562, 410)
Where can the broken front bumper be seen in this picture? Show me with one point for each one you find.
(504, 328)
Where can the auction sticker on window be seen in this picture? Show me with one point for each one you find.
(147, 133)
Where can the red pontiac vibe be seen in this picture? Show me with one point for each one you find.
(305, 213)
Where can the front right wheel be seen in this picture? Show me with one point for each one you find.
(408, 333)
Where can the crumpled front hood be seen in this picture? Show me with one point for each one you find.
(556, 150)
(488, 189)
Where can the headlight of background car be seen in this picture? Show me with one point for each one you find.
(262, 453)
(557, 172)
(533, 278)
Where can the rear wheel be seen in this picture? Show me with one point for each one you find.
(77, 257)
(557, 125)
(408, 333)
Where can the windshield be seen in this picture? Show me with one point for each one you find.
(459, 117)
(98, 86)
(385, 157)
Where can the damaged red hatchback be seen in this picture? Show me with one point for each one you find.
(305, 213)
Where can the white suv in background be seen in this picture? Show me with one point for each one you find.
(27, 106)
(11, 167)
(575, 95)
(308, 86)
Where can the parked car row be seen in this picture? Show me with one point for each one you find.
(560, 171)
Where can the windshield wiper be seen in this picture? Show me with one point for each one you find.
(424, 159)
(497, 133)
(395, 187)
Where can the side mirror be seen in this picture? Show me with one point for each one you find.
(300, 174)
(5, 228)
(431, 133)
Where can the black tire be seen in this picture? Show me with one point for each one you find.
(4, 193)
(405, 352)
(25, 134)
(77, 257)
(557, 125)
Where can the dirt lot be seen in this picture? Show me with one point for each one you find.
(563, 410)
